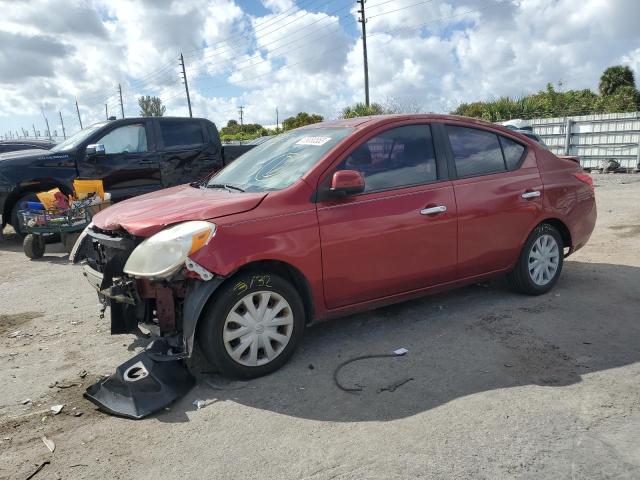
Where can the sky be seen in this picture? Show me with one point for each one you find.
(302, 55)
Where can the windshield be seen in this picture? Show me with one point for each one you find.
(280, 161)
(75, 140)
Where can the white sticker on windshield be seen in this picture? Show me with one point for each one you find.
(313, 141)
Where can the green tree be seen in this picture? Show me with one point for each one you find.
(151, 106)
(235, 132)
(625, 99)
(300, 120)
(614, 78)
(362, 110)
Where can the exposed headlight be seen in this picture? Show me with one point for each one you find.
(162, 254)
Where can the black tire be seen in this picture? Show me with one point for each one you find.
(34, 246)
(19, 205)
(521, 278)
(212, 322)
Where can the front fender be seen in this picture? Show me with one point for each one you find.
(198, 294)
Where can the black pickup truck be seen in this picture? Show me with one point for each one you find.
(131, 156)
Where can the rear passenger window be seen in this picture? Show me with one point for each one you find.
(181, 133)
(512, 153)
(399, 157)
(476, 152)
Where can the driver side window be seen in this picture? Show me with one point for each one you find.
(397, 158)
(127, 139)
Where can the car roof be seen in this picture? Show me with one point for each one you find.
(365, 122)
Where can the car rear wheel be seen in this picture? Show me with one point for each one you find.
(253, 325)
(540, 262)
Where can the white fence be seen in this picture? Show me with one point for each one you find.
(594, 137)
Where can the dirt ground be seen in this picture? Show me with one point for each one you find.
(502, 385)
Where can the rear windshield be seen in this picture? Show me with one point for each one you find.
(280, 161)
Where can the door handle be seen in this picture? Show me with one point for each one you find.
(433, 210)
(533, 194)
(146, 162)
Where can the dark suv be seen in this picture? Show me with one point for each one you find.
(131, 156)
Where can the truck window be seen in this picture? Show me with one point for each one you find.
(126, 139)
(181, 133)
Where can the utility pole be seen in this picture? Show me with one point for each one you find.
(363, 21)
(186, 85)
(241, 117)
(47, 122)
(106, 111)
(79, 119)
(277, 120)
(121, 104)
(64, 134)
(35, 134)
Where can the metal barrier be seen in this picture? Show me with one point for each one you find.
(594, 138)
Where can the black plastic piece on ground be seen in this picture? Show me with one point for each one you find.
(141, 386)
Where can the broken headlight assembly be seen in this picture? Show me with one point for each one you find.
(162, 254)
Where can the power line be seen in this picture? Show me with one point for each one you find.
(261, 26)
(234, 68)
(329, 15)
(401, 8)
(321, 54)
(149, 78)
(437, 20)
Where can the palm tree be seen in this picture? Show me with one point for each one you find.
(362, 110)
(614, 78)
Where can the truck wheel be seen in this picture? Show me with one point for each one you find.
(19, 205)
(540, 262)
(252, 326)
(34, 246)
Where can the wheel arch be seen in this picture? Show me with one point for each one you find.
(201, 293)
(289, 273)
(563, 229)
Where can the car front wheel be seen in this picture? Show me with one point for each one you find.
(252, 326)
(540, 262)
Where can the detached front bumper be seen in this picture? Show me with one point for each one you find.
(169, 308)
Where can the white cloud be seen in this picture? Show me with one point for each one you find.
(432, 55)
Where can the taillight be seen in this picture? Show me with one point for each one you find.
(584, 177)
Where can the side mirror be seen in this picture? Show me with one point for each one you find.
(95, 149)
(347, 182)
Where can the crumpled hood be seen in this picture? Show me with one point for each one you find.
(148, 214)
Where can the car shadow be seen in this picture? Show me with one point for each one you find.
(475, 339)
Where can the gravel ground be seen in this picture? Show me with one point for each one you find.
(502, 385)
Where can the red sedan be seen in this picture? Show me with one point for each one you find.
(331, 219)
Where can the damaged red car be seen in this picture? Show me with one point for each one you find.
(330, 219)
